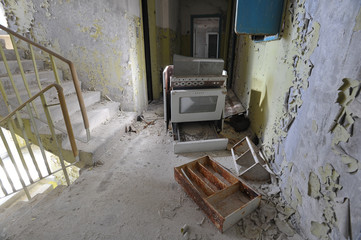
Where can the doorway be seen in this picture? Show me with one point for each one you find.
(206, 30)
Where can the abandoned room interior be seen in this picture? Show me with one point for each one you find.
(180, 119)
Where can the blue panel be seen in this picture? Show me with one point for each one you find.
(258, 17)
(264, 38)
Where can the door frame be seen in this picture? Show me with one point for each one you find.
(148, 65)
(219, 16)
(207, 41)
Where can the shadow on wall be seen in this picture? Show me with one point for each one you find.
(242, 70)
(258, 111)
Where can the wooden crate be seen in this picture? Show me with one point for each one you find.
(222, 196)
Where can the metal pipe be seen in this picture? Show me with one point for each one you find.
(37, 136)
(21, 71)
(3, 188)
(81, 100)
(55, 70)
(14, 164)
(7, 175)
(63, 108)
(20, 153)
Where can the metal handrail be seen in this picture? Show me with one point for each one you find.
(72, 71)
(64, 110)
(9, 120)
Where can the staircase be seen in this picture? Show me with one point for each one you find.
(80, 141)
(105, 119)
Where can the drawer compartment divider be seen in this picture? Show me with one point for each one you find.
(211, 177)
(199, 181)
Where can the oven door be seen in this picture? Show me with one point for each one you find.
(195, 105)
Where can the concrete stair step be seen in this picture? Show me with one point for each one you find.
(14, 67)
(101, 135)
(45, 76)
(10, 54)
(72, 103)
(98, 114)
(68, 89)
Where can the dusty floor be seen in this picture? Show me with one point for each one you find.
(133, 195)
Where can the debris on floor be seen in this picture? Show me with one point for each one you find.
(128, 183)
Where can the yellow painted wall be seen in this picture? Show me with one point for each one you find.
(168, 45)
(185, 48)
(264, 73)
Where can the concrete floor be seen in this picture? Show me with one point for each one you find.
(133, 195)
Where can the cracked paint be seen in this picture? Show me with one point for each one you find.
(358, 22)
(314, 186)
(343, 125)
(16, 8)
(320, 230)
(275, 76)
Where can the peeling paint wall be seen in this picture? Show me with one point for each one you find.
(103, 39)
(303, 98)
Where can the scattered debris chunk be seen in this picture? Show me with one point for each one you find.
(320, 230)
(184, 229)
(284, 227)
(314, 186)
(202, 221)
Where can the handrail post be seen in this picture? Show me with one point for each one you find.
(81, 100)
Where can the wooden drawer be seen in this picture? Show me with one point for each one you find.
(222, 196)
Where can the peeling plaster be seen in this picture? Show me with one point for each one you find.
(358, 22)
(320, 230)
(273, 87)
(20, 14)
(314, 186)
(342, 127)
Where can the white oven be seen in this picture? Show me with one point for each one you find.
(194, 105)
(194, 102)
